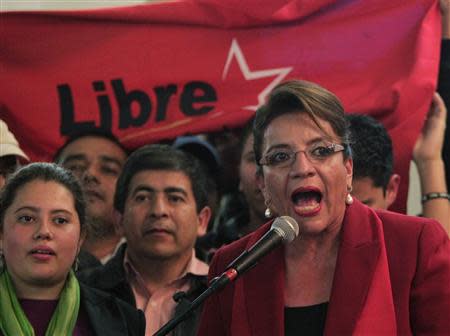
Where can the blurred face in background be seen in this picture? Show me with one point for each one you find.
(373, 196)
(248, 182)
(97, 162)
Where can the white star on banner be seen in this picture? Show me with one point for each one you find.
(280, 73)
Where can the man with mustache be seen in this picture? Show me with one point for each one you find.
(96, 158)
(161, 199)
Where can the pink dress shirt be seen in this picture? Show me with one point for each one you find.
(159, 306)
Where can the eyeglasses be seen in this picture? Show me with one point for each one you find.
(285, 157)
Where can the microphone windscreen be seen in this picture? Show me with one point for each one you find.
(287, 227)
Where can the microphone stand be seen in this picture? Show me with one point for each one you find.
(217, 284)
(282, 229)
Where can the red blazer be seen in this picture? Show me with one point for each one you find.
(418, 252)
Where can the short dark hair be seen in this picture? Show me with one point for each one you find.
(48, 172)
(97, 133)
(298, 96)
(162, 157)
(372, 150)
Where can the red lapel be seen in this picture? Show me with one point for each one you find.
(356, 262)
(262, 288)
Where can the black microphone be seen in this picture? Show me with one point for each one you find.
(283, 229)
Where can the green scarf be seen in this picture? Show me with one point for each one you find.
(14, 322)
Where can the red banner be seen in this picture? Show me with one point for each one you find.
(156, 71)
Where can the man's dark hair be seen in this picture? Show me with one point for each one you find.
(97, 132)
(165, 158)
(372, 150)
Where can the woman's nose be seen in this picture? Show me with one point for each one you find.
(43, 230)
(302, 165)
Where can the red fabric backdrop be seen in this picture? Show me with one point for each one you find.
(156, 71)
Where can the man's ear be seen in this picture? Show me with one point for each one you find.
(392, 189)
(2, 181)
(203, 220)
(118, 223)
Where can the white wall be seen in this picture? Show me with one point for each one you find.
(414, 205)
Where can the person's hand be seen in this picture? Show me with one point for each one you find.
(429, 145)
(445, 11)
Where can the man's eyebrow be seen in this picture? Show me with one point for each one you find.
(168, 190)
(175, 190)
(144, 188)
(110, 159)
(74, 157)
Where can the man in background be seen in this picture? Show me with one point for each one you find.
(162, 202)
(374, 182)
(96, 158)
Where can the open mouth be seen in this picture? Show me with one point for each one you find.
(307, 201)
(38, 251)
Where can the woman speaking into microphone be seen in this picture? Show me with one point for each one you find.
(351, 270)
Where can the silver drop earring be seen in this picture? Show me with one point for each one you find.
(268, 213)
(349, 198)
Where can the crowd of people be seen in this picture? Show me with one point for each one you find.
(109, 241)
